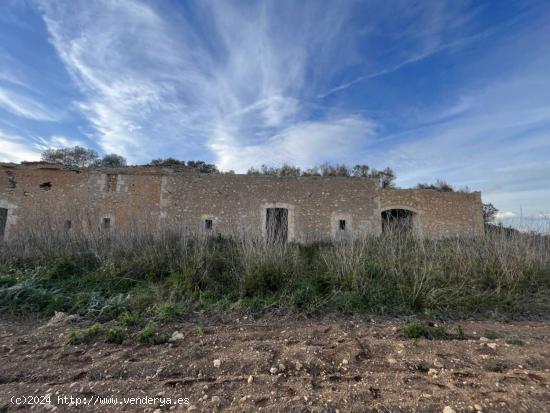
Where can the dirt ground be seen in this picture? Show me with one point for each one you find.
(276, 364)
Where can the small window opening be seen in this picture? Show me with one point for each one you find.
(208, 224)
(107, 223)
(111, 182)
(68, 224)
(12, 184)
(342, 224)
(46, 186)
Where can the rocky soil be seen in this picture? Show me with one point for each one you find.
(275, 364)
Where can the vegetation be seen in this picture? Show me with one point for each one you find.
(116, 334)
(84, 335)
(140, 276)
(79, 157)
(385, 177)
(418, 329)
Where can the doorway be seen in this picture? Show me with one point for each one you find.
(3, 222)
(276, 225)
(397, 220)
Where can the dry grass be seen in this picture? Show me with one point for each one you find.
(506, 273)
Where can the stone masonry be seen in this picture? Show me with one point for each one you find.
(40, 195)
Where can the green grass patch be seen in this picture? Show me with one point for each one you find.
(116, 334)
(84, 335)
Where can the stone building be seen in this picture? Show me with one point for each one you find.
(38, 195)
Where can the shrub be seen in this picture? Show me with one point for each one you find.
(128, 319)
(417, 329)
(166, 312)
(116, 335)
(149, 335)
(84, 335)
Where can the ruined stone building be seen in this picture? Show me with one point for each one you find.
(37, 195)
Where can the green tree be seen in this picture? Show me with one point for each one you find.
(72, 157)
(489, 213)
(112, 160)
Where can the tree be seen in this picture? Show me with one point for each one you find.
(360, 171)
(385, 177)
(72, 157)
(112, 160)
(489, 213)
(167, 162)
(440, 185)
(327, 169)
(203, 167)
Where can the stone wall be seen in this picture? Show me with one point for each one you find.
(438, 214)
(38, 195)
(239, 202)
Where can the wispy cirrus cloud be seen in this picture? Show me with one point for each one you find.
(21, 105)
(145, 75)
(15, 148)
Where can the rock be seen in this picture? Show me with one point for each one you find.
(483, 339)
(345, 361)
(191, 408)
(250, 379)
(282, 367)
(392, 360)
(478, 407)
(157, 411)
(298, 365)
(449, 409)
(273, 370)
(217, 363)
(244, 398)
(492, 345)
(432, 372)
(176, 336)
(215, 400)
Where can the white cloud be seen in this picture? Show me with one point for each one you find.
(24, 106)
(304, 144)
(16, 149)
(155, 84)
(504, 215)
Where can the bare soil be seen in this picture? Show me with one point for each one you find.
(322, 365)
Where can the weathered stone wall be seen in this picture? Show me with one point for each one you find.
(40, 195)
(438, 214)
(239, 202)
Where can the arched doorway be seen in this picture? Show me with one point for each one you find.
(397, 219)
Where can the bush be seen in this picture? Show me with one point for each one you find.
(149, 335)
(84, 335)
(417, 329)
(116, 335)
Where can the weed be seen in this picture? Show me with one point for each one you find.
(116, 334)
(417, 329)
(166, 312)
(514, 341)
(149, 335)
(128, 319)
(84, 335)
(200, 331)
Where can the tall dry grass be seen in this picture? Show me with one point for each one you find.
(505, 273)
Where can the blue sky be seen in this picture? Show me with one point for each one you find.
(453, 90)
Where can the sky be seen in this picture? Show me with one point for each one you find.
(434, 89)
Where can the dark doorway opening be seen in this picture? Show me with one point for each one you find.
(276, 224)
(3, 222)
(397, 220)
